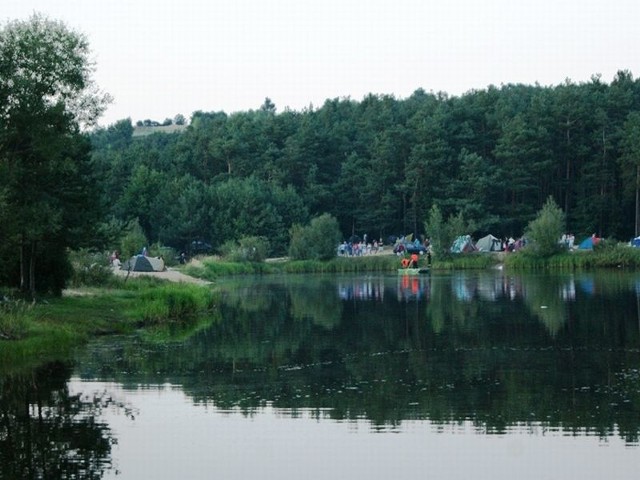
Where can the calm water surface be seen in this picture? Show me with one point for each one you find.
(471, 375)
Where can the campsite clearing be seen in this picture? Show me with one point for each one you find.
(168, 274)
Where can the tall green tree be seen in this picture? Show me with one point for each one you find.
(545, 230)
(47, 96)
(630, 162)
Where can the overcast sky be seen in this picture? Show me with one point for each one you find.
(160, 58)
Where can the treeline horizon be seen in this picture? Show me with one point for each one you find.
(379, 165)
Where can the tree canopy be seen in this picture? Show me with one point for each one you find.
(380, 164)
(377, 166)
(47, 97)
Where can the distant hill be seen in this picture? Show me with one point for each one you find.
(142, 131)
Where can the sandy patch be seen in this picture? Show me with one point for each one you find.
(169, 274)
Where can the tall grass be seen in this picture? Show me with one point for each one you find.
(212, 269)
(607, 256)
(173, 303)
(15, 318)
(467, 261)
(372, 263)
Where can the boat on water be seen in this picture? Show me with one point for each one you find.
(413, 271)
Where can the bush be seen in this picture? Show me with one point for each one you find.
(317, 241)
(168, 254)
(132, 241)
(90, 269)
(248, 249)
(545, 231)
(442, 233)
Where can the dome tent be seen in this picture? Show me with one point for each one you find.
(588, 243)
(489, 244)
(141, 263)
(463, 244)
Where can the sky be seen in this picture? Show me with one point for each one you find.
(161, 58)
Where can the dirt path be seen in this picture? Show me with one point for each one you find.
(168, 274)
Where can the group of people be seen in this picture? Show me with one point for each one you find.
(568, 240)
(357, 249)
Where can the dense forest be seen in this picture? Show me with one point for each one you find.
(489, 159)
(378, 165)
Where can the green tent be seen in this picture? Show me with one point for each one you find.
(141, 263)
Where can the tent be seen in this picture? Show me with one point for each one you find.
(463, 244)
(140, 263)
(635, 242)
(489, 244)
(588, 243)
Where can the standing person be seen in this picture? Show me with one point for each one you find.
(414, 260)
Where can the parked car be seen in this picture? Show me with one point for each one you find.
(199, 247)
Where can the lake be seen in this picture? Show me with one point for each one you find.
(461, 375)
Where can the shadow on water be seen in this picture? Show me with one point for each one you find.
(494, 349)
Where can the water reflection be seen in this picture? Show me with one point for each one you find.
(47, 433)
(499, 351)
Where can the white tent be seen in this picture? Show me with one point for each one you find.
(489, 244)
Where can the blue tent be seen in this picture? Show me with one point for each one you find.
(463, 244)
(588, 243)
(635, 242)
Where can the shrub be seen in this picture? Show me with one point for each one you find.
(545, 230)
(317, 241)
(168, 254)
(15, 316)
(132, 241)
(442, 233)
(248, 249)
(90, 269)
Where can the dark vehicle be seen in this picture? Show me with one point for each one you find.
(409, 247)
(199, 247)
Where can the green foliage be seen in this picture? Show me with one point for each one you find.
(132, 241)
(471, 261)
(369, 263)
(248, 249)
(443, 233)
(379, 165)
(15, 318)
(545, 231)
(212, 269)
(90, 269)
(254, 208)
(317, 241)
(608, 255)
(168, 254)
(436, 232)
(46, 96)
(173, 303)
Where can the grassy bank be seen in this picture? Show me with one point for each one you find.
(607, 256)
(211, 269)
(32, 333)
(604, 257)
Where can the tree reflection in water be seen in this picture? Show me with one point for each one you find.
(499, 350)
(46, 433)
